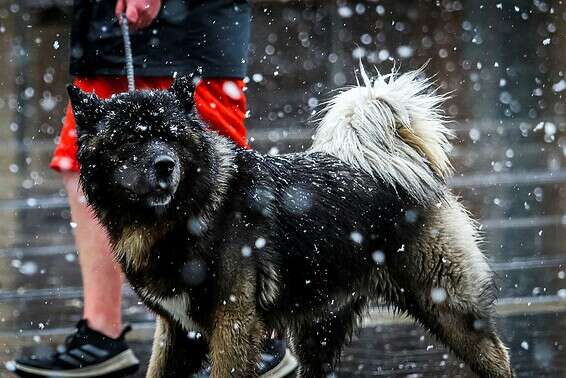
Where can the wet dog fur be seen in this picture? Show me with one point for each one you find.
(224, 243)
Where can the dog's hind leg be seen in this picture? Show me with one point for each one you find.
(470, 336)
(444, 281)
(318, 345)
(174, 354)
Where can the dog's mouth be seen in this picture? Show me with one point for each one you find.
(155, 199)
(159, 198)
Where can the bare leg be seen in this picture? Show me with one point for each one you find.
(102, 277)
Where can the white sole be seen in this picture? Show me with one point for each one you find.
(287, 365)
(122, 361)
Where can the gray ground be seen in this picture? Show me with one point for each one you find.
(394, 347)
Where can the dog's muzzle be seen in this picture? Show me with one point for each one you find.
(164, 167)
(164, 180)
(150, 175)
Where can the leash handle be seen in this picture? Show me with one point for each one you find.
(128, 52)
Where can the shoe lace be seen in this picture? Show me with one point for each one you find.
(69, 340)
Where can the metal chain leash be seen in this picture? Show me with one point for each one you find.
(128, 52)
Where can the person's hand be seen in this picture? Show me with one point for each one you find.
(140, 13)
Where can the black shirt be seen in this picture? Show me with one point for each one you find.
(212, 35)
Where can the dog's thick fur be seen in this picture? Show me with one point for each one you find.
(225, 243)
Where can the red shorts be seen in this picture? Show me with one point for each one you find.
(221, 104)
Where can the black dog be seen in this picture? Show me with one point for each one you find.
(224, 243)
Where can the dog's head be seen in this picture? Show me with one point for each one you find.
(136, 149)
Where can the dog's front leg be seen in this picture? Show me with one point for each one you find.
(235, 340)
(174, 354)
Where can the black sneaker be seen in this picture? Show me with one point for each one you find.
(277, 361)
(86, 353)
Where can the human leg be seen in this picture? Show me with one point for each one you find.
(102, 277)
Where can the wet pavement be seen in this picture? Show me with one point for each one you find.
(388, 347)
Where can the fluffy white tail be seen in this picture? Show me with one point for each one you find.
(392, 128)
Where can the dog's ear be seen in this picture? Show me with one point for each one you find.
(183, 88)
(87, 109)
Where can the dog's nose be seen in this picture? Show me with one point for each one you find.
(164, 166)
